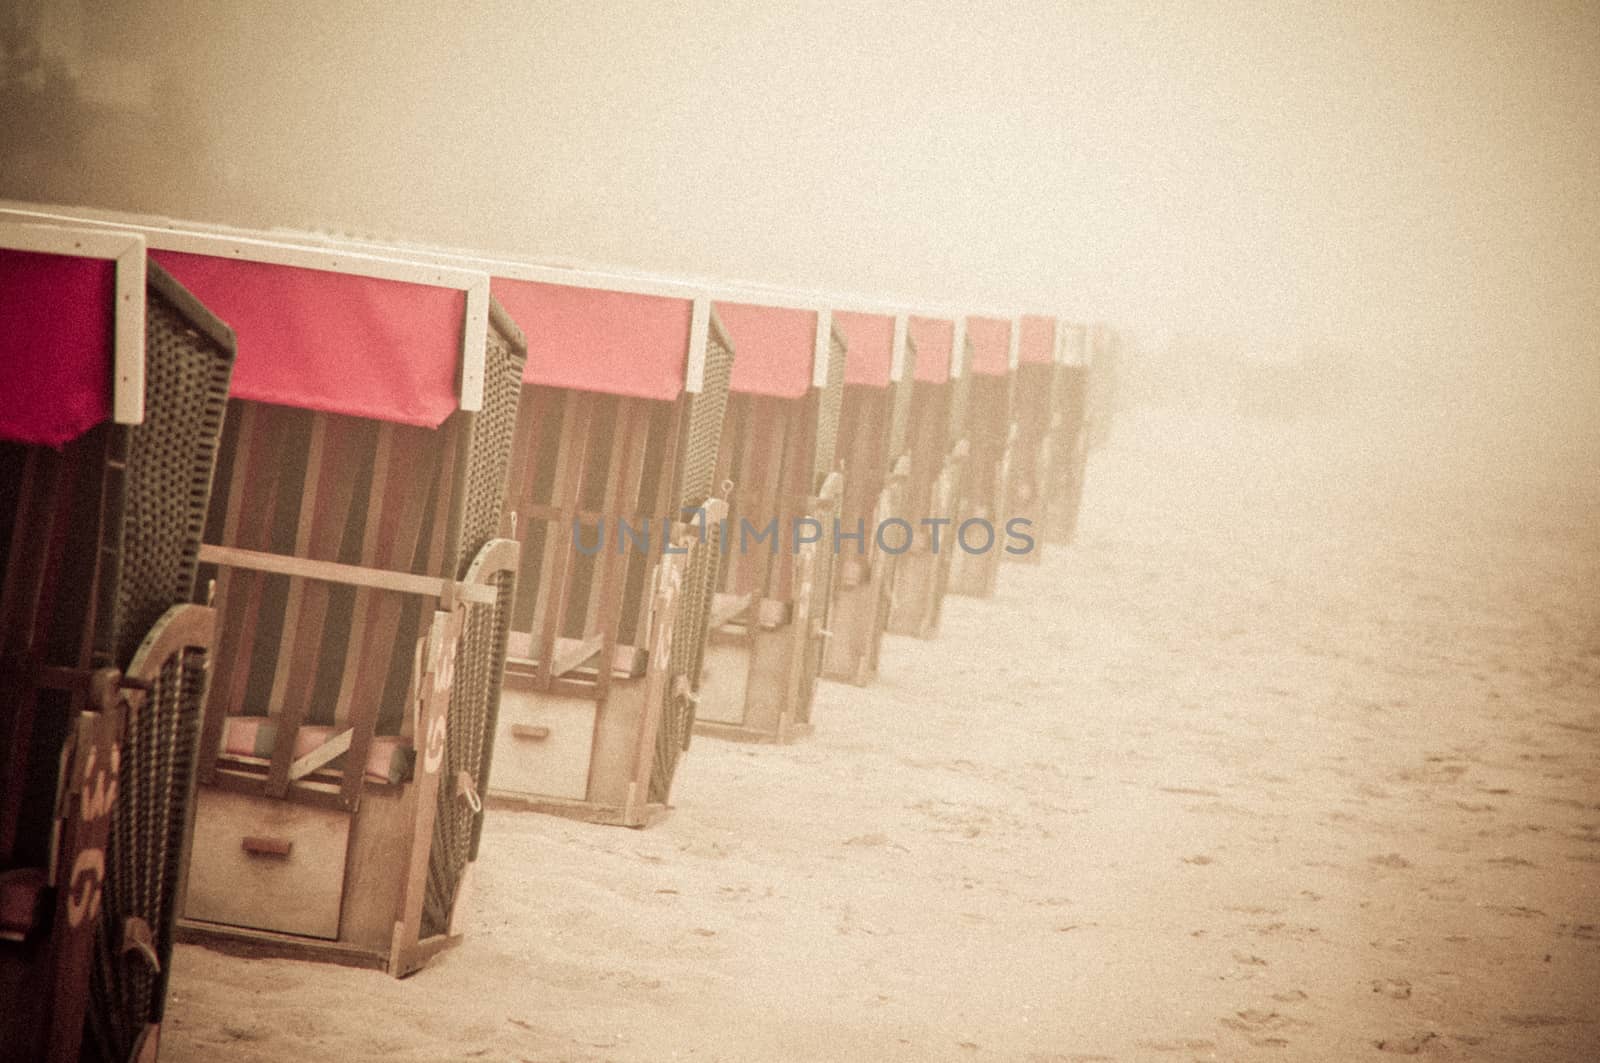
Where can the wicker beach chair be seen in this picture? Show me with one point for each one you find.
(612, 485)
(349, 541)
(769, 615)
(105, 663)
(933, 486)
(879, 379)
(990, 428)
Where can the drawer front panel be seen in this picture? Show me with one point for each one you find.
(267, 865)
(542, 745)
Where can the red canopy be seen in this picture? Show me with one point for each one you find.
(775, 347)
(589, 339)
(991, 345)
(934, 337)
(1038, 340)
(870, 341)
(55, 345)
(337, 342)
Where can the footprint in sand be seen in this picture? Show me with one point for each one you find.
(1393, 988)
(1535, 1021)
(1183, 1045)
(1406, 1046)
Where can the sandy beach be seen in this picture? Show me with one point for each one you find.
(1295, 755)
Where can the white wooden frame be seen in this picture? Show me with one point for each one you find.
(373, 258)
(127, 250)
(253, 248)
(897, 360)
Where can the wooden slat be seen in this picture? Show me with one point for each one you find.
(260, 469)
(623, 483)
(361, 608)
(231, 630)
(289, 642)
(558, 550)
(400, 531)
(333, 505)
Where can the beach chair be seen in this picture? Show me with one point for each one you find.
(769, 612)
(350, 542)
(111, 404)
(612, 489)
(978, 536)
(1038, 418)
(880, 368)
(934, 483)
(1070, 437)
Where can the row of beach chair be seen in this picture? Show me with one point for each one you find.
(313, 549)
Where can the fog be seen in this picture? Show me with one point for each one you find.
(1408, 186)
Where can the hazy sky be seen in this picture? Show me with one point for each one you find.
(1409, 177)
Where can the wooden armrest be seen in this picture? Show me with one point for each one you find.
(351, 575)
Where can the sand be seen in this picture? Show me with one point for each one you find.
(1294, 756)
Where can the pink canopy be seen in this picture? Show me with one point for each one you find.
(869, 340)
(55, 345)
(588, 339)
(934, 337)
(335, 342)
(775, 348)
(1038, 340)
(991, 345)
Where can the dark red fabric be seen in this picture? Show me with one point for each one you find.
(869, 356)
(773, 348)
(934, 337)
(1038, 340)
(336, 342)
(56, 319)
(587, 339)
(991, 345)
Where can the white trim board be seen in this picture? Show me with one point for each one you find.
(897, 358)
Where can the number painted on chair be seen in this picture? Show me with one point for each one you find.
(434, 753)
(83, 891)
(99, 786)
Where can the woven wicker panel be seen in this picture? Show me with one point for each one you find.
(699, 448)
(481, 655)
(828, 405)
(144, 859)
(900, 403)
(492, 430)
(171, 457)
(702, 428)
(474, 706)
(170, 461)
